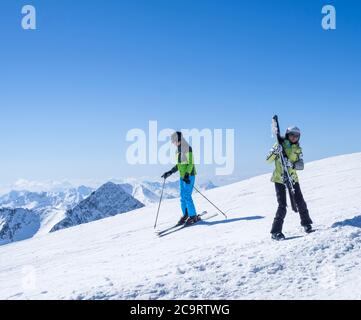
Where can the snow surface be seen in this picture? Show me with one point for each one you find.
(121, 258)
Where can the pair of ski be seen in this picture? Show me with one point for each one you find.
(203, 216)
(287, 178)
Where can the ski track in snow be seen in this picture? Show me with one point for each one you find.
(122, 258)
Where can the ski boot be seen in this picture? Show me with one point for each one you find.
(193, 220)
(278, 236)
(308, 228)
(183, 220)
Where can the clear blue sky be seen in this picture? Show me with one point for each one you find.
(95, 69)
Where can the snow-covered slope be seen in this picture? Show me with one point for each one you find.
(109, 200)
(120, 257)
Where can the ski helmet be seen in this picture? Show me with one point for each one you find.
(293, 131)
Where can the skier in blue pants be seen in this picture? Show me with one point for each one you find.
(186, 191)
(187, 172)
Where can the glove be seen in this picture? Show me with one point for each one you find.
(299, 165)
(277, 150)
(186, 179)
(167, 174)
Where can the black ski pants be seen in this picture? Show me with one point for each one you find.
(281, 192)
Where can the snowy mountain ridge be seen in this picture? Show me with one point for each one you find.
(17, 225)
(148, 192)
(42, 201)
(48, 207)
(109, 200)
(52, 211)
(53, 206)
(215, 259)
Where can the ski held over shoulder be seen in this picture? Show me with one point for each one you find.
(288, 180)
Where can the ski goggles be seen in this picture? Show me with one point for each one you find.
(294, 135)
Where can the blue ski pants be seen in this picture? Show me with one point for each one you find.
(186, 191)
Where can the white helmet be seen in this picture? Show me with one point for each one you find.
(293, 131)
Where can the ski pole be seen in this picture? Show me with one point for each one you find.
(160, 201)
(210, 202)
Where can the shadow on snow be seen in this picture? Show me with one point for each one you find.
(211, 223)
(354, 222)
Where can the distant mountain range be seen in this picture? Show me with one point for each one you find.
(17, 224)
(148, 192)
(50, 207)
(25, 214)
(109, 200)
(41, 201)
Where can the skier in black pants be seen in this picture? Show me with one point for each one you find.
(294, 159)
